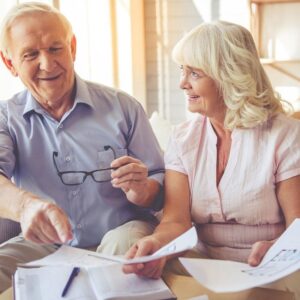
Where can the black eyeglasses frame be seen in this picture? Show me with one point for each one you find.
(86, 174)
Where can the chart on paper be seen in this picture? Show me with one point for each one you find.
(283, 260)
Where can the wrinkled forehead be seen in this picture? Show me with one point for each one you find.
(34, 31)
(34, 21)
(35, 27)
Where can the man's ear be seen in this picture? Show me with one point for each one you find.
(8, 64)
(73, 47)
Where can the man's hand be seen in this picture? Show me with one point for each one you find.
(44, 223)
(259, 249)
(152, 269)
(131, 176)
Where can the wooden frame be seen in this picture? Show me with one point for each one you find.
(256, 12)
(255, 24)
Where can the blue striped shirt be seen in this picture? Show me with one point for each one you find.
(100, 116)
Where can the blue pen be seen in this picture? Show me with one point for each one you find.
(72, 276)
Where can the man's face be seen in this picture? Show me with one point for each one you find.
(42, 56)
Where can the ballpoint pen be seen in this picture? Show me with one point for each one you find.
(72, 276)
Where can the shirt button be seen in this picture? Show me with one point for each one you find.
(61, 126)
(79, 226)
(68, 158)
(74, 193)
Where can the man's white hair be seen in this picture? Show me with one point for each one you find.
(26, 9)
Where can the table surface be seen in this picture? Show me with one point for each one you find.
(8, 295)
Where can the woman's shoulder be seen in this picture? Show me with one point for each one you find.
(187, 129)
(284, 123)
(280, 128)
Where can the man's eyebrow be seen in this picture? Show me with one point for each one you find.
(28, 49)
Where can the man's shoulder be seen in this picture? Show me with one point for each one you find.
(109, 93)
(16, 101)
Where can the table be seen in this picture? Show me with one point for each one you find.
(8, 295)
(187, 287)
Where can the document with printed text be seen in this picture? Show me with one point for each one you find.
(282, 259)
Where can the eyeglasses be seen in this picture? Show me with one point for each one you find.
(78, 177)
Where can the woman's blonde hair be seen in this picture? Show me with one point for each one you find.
(226, 52)
(25, 9)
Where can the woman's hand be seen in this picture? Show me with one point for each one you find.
(259, 249)
(145, 246)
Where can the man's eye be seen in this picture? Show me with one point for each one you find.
(30, 55)
(55, 49)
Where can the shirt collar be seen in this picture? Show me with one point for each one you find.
(82, 96)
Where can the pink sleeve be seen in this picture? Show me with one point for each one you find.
(173, 159)
(288, 154)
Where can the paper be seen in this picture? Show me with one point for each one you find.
(282, 259)
(184, 242)
(47, 283)
(111, 283)
(97, 283)
(67, 255)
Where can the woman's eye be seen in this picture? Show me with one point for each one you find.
(195, 74)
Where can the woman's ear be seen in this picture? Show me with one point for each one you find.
(8, 64)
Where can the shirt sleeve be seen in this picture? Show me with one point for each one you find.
(143, 144)
(172, 156)
(288, 154)
(7, 156)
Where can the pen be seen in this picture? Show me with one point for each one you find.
(72, 276)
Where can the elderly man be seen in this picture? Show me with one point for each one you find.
(79, 153)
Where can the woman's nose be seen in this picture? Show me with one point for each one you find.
(184, 83)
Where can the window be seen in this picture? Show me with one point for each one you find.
(110, 43)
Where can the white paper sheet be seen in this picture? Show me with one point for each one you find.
(282, 259)
(66, 255)
(69, 256)
(47, 283)
(109, 282)
(184, 242)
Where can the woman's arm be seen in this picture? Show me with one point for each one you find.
(288, 195)
(176, 220)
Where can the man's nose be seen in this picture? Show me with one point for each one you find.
(47, 62)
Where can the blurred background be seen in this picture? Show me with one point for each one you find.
(127, 44)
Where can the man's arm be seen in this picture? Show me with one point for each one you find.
(132, 177)
(140, 174)
(41, 221)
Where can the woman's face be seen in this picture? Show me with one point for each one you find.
(202, 93)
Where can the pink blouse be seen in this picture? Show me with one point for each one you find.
(243, 208)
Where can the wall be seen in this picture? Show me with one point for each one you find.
(167, 20)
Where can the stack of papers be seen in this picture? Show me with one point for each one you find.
(102, 282)
(282, 259)
(100, 276)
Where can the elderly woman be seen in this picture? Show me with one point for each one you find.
(234, 170)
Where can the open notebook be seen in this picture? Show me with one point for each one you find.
(92, 283)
